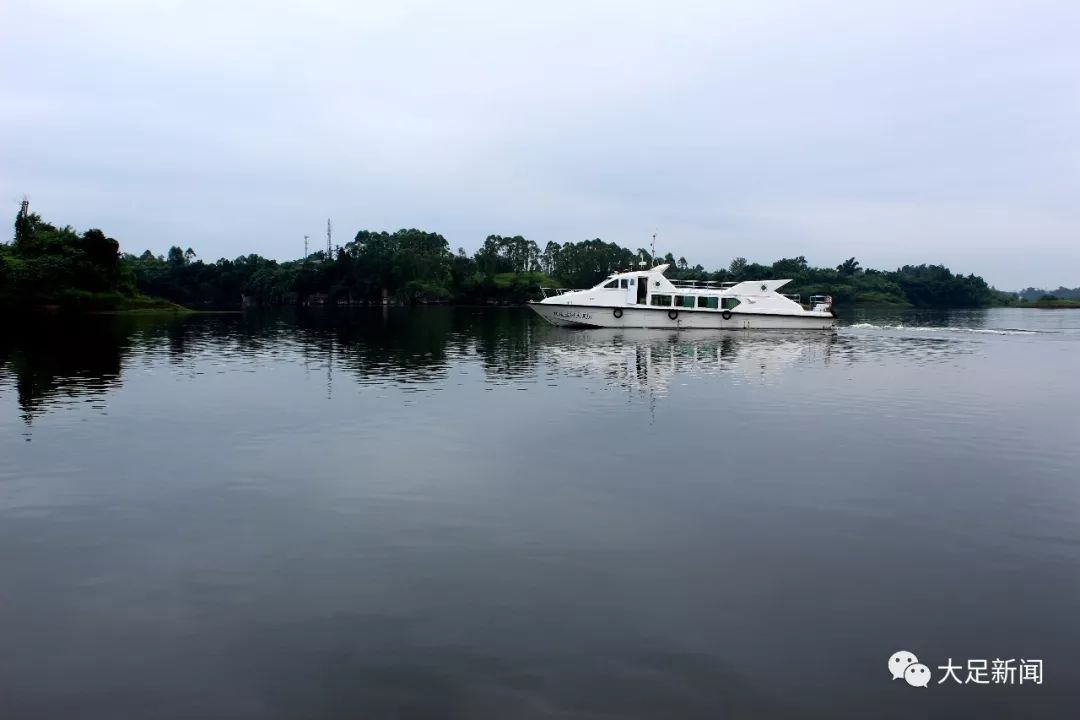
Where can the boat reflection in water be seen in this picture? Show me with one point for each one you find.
(53, 363)
(650, 360)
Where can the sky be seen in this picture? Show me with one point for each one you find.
(897, 133)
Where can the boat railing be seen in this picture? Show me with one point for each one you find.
(553, 291)
(698, 284)
(821, 303)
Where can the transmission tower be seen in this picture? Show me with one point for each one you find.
(327, 238)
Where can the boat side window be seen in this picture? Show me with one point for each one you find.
(612, 284)
(729, 303)
(623, 283)
(662, 300)
(708, 301)
(686, 301)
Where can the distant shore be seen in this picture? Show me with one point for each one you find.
(54, 267)
(1053, 305)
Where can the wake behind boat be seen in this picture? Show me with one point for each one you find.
(647, 299)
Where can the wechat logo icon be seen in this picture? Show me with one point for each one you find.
(904, 664)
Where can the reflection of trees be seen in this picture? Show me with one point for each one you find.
(54, 358)
(504, 340)
(84, 356)
(417, 345)
(395, 344)
(57, 358)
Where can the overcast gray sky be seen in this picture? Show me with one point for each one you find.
(907, 132)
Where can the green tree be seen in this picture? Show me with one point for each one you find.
(848, 267)
(790, 267)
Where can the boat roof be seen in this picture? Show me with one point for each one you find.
(748, 287)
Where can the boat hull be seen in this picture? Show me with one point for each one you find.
(685, 319)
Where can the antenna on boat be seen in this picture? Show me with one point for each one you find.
(654, 249)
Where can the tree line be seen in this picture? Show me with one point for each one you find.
(46, 264)
(1032, 294)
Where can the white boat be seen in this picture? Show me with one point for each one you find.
(647, 299)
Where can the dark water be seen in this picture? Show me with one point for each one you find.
(455, 514)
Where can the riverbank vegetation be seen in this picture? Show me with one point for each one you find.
(49, 265)
(1063, 297)
(1052, 301)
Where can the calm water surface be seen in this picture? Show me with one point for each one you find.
(463, 513)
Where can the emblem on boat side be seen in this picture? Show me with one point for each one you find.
(764, 287)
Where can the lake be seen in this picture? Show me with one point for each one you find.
(463, 513)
